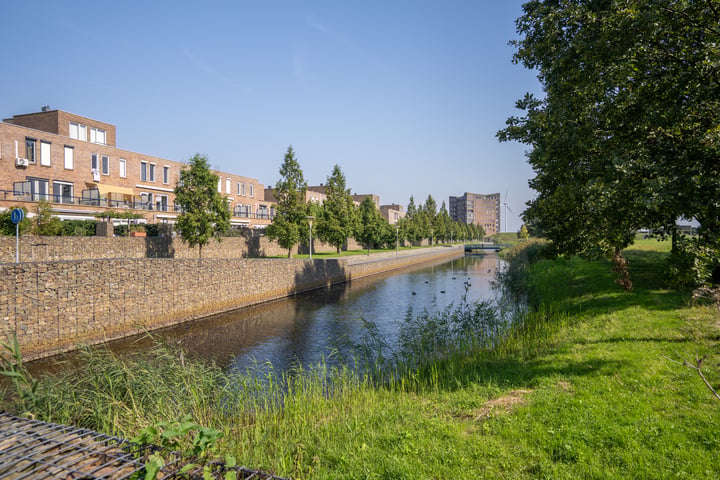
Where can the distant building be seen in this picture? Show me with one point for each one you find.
(358, 199)
(73, 162)
(392, 213)
(312, 194)
(477, 209)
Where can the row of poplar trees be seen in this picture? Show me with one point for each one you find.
(338, 219)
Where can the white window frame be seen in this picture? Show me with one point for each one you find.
(228, 186)
(252, 190)
(151, 172)
(143, 171)
(69, 157)
(96, 133)
(243, 190)
(45, 151)
(94, 162)
(122, 167)
(166, 174)
(105, 164)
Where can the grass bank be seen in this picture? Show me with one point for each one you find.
(581, 389)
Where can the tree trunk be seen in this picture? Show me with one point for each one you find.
(289, 252)
(620, 268)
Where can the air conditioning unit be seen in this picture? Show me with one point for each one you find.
(21, 162)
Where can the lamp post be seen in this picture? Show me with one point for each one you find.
(310, 222)
(397, 241)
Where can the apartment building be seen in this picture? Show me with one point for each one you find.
(73, 162)
(392, 213)
(477, 209)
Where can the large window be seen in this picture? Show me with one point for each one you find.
(143, 171)
(105, 165)
(45, 154)
(69, 158)
(78, 131)
(97, 135)
(63, 192)
(30, 147)
(122, 165)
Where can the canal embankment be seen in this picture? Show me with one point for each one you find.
(54, 306)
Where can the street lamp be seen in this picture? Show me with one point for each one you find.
(397, 241)
(310, 220)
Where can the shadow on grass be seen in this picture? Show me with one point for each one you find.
(588, 288)
(509, 372)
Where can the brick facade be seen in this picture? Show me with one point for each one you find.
(146, 184)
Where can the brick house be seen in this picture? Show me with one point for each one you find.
(73, 162)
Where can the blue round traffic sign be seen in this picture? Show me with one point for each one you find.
(17, 215)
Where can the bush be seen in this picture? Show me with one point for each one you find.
(77, 228)
(692, 263)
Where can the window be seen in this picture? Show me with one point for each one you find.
(161, 203)
(147, 201)
(152, 172)
(252, 190)
(143, 171)
(238, 188)
(166, 175)
(105, 165)
(94, 167)
(243, 189)
(45, 154)
(219, 185)
(63, 192)
(69, 158)
(30, 149)
(97, 135)
(228, 186)
(122, 167)
(32, 189)
(78, 131)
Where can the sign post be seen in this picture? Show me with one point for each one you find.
(17, 216)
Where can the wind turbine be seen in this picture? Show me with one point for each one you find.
(507, 209)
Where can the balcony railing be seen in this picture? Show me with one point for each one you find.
(21, 196)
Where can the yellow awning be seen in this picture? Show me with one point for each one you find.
(105, 189)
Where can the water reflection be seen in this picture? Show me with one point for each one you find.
(305, 328)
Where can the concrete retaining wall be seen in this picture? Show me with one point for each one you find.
(54, 306)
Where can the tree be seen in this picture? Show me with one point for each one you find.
(372, 229)
(45, 223)
(205, 213)
(290, 223)
(523, 234)
(628, 133)
(336, 219)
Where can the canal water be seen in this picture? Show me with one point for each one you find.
(306, 328)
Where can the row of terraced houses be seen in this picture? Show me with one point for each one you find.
(74, 163)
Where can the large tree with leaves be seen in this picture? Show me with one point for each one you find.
(290, 223)
(336, 219)
(628, 133)
(371, 230)
(205, 213)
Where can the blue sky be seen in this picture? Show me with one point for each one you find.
(406, 96)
